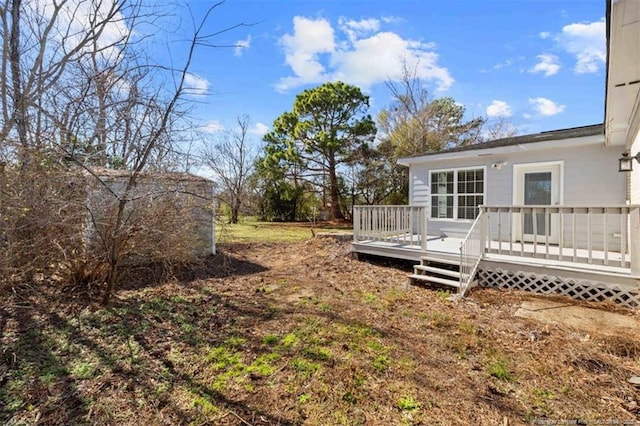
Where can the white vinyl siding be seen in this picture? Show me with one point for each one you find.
(590, 177)
(456, 194)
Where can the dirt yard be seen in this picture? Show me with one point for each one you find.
(301, 333)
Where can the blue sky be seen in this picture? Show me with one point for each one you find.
(538, 64)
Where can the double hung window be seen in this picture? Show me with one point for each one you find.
(456, 194)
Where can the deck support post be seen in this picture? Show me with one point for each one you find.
(634, 240)
(485, 231)
(422, 217)
(356, 224)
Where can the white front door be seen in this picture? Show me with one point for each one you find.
(537, 184)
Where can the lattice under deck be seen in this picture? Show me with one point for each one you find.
(552, 284)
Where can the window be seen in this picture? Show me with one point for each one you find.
(456, 194)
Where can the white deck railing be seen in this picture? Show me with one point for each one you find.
(471, 252)
(579, 234)
(406, 225)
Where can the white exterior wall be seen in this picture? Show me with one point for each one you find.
(589, 177)
(634, 178)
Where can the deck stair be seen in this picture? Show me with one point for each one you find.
(443, 272)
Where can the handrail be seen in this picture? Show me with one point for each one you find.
(391, 223)
(471, 252)
(591, 234)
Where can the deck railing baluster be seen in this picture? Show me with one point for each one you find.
(605, 234)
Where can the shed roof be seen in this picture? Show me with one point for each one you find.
(103, 172)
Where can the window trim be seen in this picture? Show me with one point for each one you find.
(455, 171)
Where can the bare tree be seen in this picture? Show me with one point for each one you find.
(416, 124)
(231, 159)
(77, 94)
(499, 128)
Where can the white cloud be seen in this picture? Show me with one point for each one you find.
(241, 45)
(392, 19)
(259, 129)
(195, 85)
(366, 57)
(586, 41)
(499, 109)
(544, 34)
(547, 64)
(545, 107)
(356, 29)
(504, 64)
(213, 126)
(310, 38)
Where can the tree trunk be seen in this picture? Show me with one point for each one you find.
(335, 196)
(235, 211)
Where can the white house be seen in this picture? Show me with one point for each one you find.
(552, 212)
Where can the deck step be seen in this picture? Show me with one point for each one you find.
(427, 259)
(430, 279)
(434, 270)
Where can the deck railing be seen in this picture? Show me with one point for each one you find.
(578, 234)
(406, 225)
(471, 252)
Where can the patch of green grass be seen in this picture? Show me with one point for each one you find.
(439, 319)
(235, 341)
(83, 370)
(204, 405)
(499, 369)
(408, 403)
(290, 341)
(325, 307)
(263, 365)
(381, 363)
(270, 340)
(319, 353)
(221, 358)
(303, 367)
(304, 398)
(443, 295)
(370, 297)
(178, 299)
(250, 230)
(543, 393)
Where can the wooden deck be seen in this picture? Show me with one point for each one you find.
(586, 252)
(544, 256)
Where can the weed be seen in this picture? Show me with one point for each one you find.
(349, 397)
(83, 370)
(370, 297)
(304, 398)
(178, 299)
(440, 320)
(325, 307)
(500, 370)
(407, 403)
(205, 406)
(235, 341)
(290, 340)
(263, 365)
(270, 339)
(443, 295)
(319, 354)
(221, 358)
(381, 363)
(303, 367)
(542, 393)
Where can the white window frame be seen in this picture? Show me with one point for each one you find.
(455, 191)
